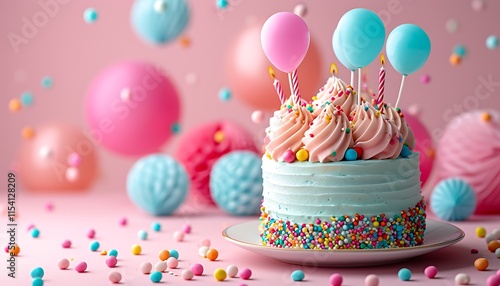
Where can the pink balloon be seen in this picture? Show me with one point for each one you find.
(43, 162)
(246, 70)
(285, 40)
(424, 146)
(140, 123)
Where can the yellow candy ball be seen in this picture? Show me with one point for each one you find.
(104, 252)
(220, 274)
(480, 232)
(136, 249)
(219, 136)
(302, 155)
(14, 105)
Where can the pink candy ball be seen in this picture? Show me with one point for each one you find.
(6, 248)
(245, 273)
(289, 156)
(187, 274)
(114, 277)
(63, 263)
(371, 280)
(336, 279)
(186, 228)
(172, 262)
(431, 271)
(111, 261)
(30, 226)
(197, 269)
(146, 267)
(204, 242)
(91, 233)
(74, 160)
(493, 280)
(123, 221)
(179, 236)
(81, 267)
(66, 243)
(257, 116)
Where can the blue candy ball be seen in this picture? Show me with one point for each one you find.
(236, 183)
(37, 282)
(46, 82)
(35, 232)
(27, 99)
(351, 155)
(37, 272)
(159, 21)
(142, 234)
(405, 152)
(155, 276)
(221, 4)
(90, 15)
(174, 253)
(224, 94)
(453, 200)
(94, 245)
(404, 274)
(297, 275)
(157, 184)
(156, 226)
(460, 50)
(492, 42)
(113, 252)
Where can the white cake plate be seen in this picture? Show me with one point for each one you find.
(438, 234)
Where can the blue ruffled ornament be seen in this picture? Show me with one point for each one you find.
(453, 200)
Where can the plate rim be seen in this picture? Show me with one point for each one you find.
(417, 247)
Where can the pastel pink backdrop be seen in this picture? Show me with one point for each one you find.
(73, 52)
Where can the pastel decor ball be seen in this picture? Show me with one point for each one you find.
(285, 40)
(157, 184)
(338, 52)
(236, 183)
(246, 61)
(423, 145)
(361, 36)
(199, 148)
(131, 108)
(453, 200)
(477, 133)
(43, 160)
(159, 21)
(408, 48)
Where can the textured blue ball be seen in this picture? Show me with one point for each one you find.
(174, 253)
(157, 184)
(37, 282)
(453, 200)
(159, 21)
(405, 152)
(155, 276)
(37, 272)
(113, 252)
(351, 155)
(236, 183)
(297, 275)
(404, 274)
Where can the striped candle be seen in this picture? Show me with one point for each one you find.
(295, 86)
(381, 82)
(279, 91)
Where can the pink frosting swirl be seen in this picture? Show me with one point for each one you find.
(286, 129)
(329, 136)
(400, 121)
(373, 132)
(333, 92)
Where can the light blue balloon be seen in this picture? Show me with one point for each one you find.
(338, 52)
(157, 184)
(361, 36)
(159, 21)
(408, 48)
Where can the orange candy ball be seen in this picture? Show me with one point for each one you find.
(164, 255)
(493, 245)
(14, 105)
(212, 254)
(481, 264)
(455, 60)
(15, 250)
(28, 132)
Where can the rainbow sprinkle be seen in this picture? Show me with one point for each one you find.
(347, 232)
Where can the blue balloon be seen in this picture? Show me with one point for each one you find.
(338, 52)
(361, 36)
(408, 48)
(453, 200)
(159, 21)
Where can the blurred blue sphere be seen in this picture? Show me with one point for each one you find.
(159, 21)
(157, 184)
(236, 183)
(453, 200)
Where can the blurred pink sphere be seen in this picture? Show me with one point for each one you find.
(424, 146)
(43, 161)
(132, 108)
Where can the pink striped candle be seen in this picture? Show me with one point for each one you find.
(277, 86)
(295, 86)
(381, 82)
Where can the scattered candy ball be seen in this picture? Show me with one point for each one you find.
(91, 233)
(492, 42)
(371, 280)
(490, 237)
(404, 274)
(351, 155)
(451, 26)
(462, 279)
(81, 267)
(123, 221)
(35, 232)
(221, 4)
(474, 251)
(90, 15)
(111, 261)
(493, 245)
(455, 59)
(142, 234)
(460, 50)
(156, 226)
(136, 249)
(37, 272)
(497, 253)
(37, 282)
(27, 132)
(94, 245)
(164, 254)
(232, 271)
(202, 251)
(480, 232)
(335, 279)
(297, 275)
(197, 269)
(179, 236)
(146, 267)
(453, 200)
(493, 280)
(114, 277)
(289, 156)
(14, 105)
(257, 116)
(430, 271)
(186, 228)
(204, 242)
(161, 266)
(63, 263)
(220, 274)
(212, 254)
(477, 5)
(496, 233)
(155, 276)
(14, 250)
(66, 243)
(187, 274)
(27, 99)
(425, 78)
(172, 262)
(104, 252)
(302, 155)
(481, 264)
(113, 252)
(224, 94)
(46, 82)
(300, 10)
(245, 273)
(174, 253)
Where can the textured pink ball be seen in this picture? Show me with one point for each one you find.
(371, 280)
(200, 147)
(111, 261)
(186, 228)
(63, 263)
(197, 269)
(6, 248)
(187, 274)
(335, 279)
(179, 236)
(257, 116)
(473, 158)
(172, 262)
(66, 243)
(289, 156)
(114, 277)
(139, 125)
(123, 221)
(91, 233)
(81, 267)
(431, 271)
(493, 280)
(424, 146)
(204, 242)
(245, 273)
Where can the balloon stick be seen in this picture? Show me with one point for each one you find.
(359, 86)
(352, 78)
(400, 90)
(292, 93)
